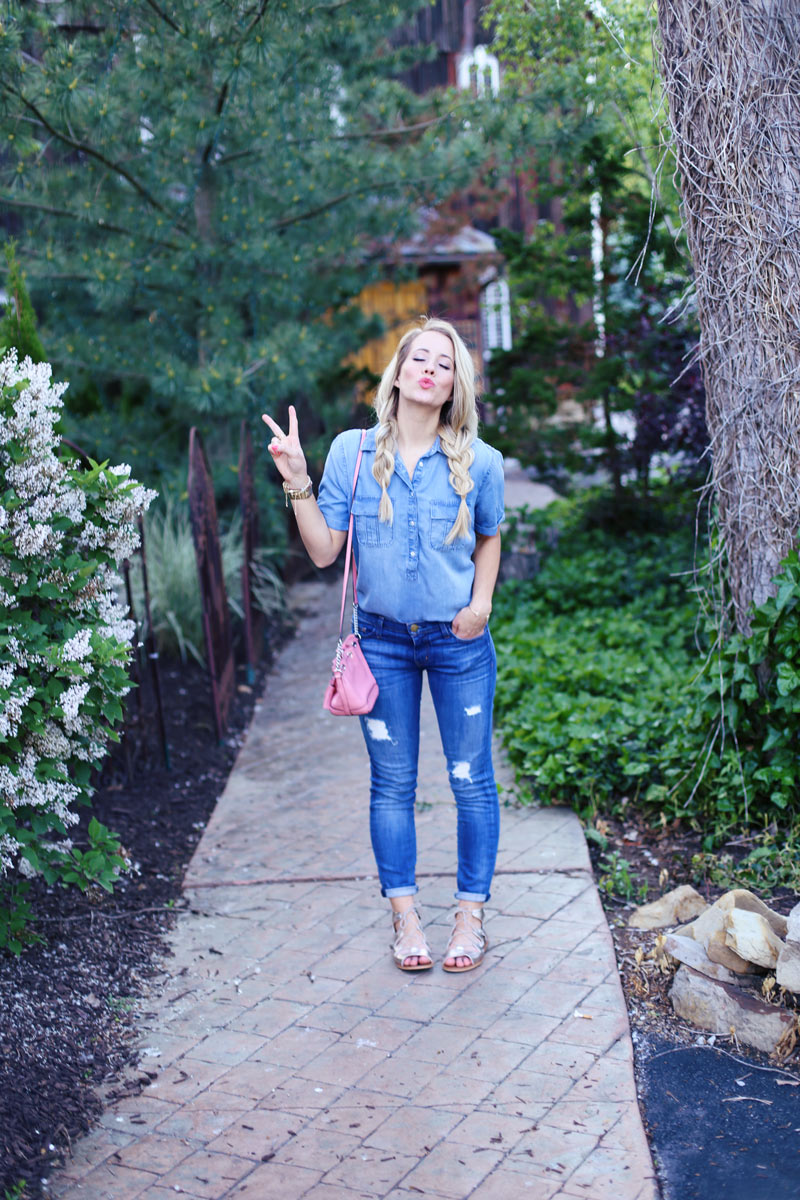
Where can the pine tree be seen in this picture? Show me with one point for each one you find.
(205, 186)
(18, 324)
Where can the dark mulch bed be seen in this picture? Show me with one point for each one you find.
(66, 1028)
(722, 1118)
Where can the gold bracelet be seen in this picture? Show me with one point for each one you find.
(477, 614)
(303, 493)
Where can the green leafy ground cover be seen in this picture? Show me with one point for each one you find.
(594, 656)
(617, 687)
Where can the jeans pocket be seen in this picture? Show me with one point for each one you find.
(466, 641)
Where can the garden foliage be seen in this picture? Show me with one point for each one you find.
(588, 680)
(200, 191)
(176, 607)
(597, 284)
(614, 689)
(65, 641)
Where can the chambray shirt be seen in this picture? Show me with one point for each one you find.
(405, 570)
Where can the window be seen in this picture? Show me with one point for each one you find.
(479, 72)
(495, 317)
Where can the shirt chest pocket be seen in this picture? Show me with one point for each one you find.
(443, 516)
(369, 530)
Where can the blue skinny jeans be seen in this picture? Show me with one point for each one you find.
(461, 676)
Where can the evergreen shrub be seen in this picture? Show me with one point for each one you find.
(65, 642)
(589, 680)
(615, 688)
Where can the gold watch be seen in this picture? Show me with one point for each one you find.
(303, 493)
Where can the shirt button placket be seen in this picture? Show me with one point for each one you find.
(413, 536)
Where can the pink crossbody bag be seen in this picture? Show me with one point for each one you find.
(352, 689)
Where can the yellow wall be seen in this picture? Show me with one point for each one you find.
(400, 305)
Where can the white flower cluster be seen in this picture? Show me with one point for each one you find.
(8, 852)
(22, 787)
(51, 513)
(77, 647)
(11, 712)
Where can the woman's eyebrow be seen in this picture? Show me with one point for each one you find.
(425, 350)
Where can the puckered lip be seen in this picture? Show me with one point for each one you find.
(427, 382)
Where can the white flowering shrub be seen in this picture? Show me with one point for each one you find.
(65, 642)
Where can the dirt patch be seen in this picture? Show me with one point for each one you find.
(661, 858)
(66, 1025)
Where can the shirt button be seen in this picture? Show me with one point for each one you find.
(413, 553)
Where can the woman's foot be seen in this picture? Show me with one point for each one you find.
(468, 942)
(409, 948)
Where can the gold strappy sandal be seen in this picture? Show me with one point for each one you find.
(409, 941)
(466, 942)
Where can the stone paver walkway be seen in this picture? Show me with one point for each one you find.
(292, 1059)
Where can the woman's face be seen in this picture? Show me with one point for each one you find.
(428, 371)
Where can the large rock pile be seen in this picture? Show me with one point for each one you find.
(731, 956)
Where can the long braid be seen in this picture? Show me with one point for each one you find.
(383, 464)
(460, 457)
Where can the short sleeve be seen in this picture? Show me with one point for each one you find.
(489, 502)
(337, 480)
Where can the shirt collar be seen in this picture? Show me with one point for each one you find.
(369, 443)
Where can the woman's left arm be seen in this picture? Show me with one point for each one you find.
(470, 621)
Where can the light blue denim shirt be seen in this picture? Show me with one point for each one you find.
(405, 570)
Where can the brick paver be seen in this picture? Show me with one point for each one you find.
(294, 1060)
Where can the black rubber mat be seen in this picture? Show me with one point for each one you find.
(722, 1128)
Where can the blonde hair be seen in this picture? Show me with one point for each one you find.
(458, 423)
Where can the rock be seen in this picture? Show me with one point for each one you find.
(708, 921)
(725, 1008)
(793, 925)
(687, 950)
(719, 951)
(787, 971)
(709, 931)
(677, 906)
(751, 937)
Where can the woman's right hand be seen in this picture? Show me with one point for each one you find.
(286, 451)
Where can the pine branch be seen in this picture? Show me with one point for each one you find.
(100, 225)
(165, 17)
(309, 215)
(84, 148)
(262, 8)
(398, 131)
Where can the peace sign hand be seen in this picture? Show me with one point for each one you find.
(286, 451)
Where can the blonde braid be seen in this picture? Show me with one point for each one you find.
(460, 457)
(383, 464)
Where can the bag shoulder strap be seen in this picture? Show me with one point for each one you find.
(350, 553)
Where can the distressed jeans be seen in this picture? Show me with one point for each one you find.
(461, 676)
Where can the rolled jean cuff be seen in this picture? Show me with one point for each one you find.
(473, 897)
(410, 889)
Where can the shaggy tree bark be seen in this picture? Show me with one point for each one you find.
(731, 71)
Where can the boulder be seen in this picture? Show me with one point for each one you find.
(751, 937)
(793, 925)
(673, 908)
(727, 1009)
(708, 921)
(787, 972)
(687, 950)
(719, 951)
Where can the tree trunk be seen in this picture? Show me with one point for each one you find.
(731, 71)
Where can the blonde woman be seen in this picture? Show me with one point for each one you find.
(427, 511)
